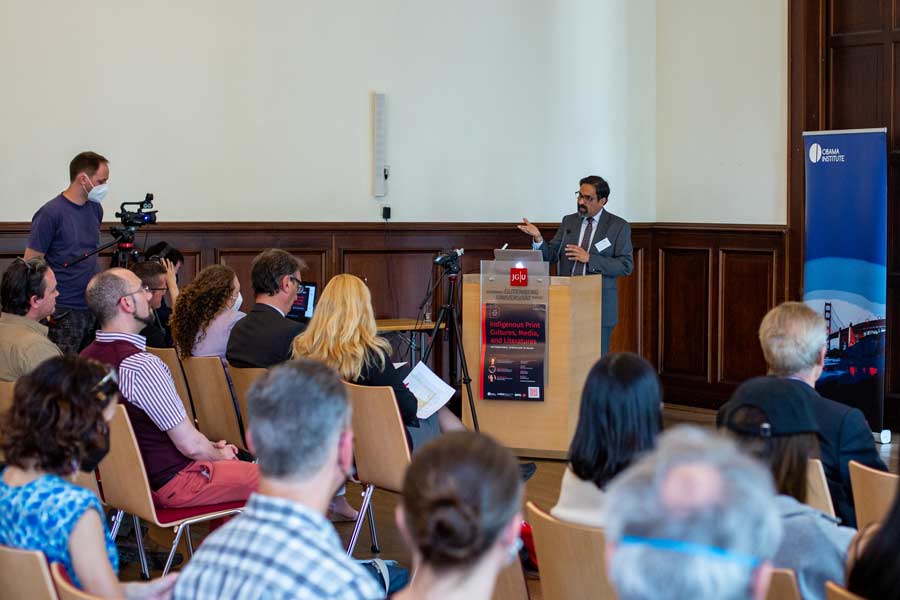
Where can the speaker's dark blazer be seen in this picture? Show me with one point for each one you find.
(614, 261)
(262, 338)
(844, 435)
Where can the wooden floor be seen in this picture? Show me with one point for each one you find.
(543, 489)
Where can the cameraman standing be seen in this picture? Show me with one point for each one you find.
(63, 229)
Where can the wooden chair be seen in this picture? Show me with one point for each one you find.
(835, 592)
(563, 549)
(64, 586)
(25, 574)
(873, 493)
(817, 494)
(511, 583)
(783, 586)
(242, 379)
(214, 404)
(381, 452)
(170, 357)
(126, 488)
(6, 400)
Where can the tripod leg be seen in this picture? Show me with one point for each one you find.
(454, 325)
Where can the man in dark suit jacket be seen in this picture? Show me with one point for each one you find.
(591, 241)
(263, 338)
(792, 336)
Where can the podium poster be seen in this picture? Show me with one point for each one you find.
(513, 360)
(845, 264)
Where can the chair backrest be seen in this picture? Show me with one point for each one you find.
(64, 586)
(380, 447)
(873, 493)
(835, 592)
(213, 402)
(25, 574)
(783, 586)
(817, 494)
(511, 583)
(89, 482)
(563, 550)
(242, 379)
(125, 483)
(170, 357)
(6, 400)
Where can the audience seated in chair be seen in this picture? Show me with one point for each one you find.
(282, 546)
(56, 427)
(772, 421)
(460, 516)
(343, 335)
(206, 311)
(619, 418)
(793, 338)
(184, 468)
(27, 295)
(873, 569)
(153, 275)
(172, 260)
(694, 519)
(263, 339)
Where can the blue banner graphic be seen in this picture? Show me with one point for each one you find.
(845, 269)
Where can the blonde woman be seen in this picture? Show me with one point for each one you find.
(342, 334)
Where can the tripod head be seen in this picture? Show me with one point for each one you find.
(450, 261)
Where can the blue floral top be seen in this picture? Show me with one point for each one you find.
(41, 515)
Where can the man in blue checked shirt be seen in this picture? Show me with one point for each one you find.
(283, 546)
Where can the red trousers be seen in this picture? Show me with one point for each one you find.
(209, 482)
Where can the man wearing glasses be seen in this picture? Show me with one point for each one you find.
(592, 241)
(263, 338)
(153, 275)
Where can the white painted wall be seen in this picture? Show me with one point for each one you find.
(721, 111)
(235, 110)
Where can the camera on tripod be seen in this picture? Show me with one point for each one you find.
(141, 216)
(450, 261)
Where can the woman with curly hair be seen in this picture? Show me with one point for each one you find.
(205, 312)
(58, 425)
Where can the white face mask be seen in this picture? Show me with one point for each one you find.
(237, 302)
(98, 193)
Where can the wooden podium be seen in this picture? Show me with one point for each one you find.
(540, 429)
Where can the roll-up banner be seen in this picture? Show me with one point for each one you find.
(845, 268)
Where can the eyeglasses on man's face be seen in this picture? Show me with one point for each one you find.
(581, 196)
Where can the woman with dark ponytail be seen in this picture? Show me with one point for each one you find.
(460, 516)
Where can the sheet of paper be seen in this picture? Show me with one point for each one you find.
(430, 390)
(398, 365)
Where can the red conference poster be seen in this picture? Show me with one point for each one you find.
(513, 351)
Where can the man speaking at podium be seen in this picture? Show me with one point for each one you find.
(592, 241)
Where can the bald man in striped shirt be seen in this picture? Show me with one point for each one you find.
(184, 468)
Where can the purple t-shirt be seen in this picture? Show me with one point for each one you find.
(63, 231)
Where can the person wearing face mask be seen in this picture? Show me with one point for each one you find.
(155, 277)
(66, 227)
(206, 311)
(282, 546)
(58, 425)
(183, 466)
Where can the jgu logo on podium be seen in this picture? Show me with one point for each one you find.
(819, 154)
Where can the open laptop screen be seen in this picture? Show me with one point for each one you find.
(304, 303)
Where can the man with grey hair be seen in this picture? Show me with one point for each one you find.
(282, 546)
(793, 338)
(695, 519)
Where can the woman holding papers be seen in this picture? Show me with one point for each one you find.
(342, 334)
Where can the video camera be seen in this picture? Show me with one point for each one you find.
(142, 216)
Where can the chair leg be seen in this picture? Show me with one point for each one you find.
(171, 557)
(367, 498)
(376, 549)
(190, 542)
(138, 537)
(117, 523)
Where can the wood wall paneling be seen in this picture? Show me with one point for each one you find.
(856, 93)
(684, 317)
(855, 16)
(746, 292)
(684, 276)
